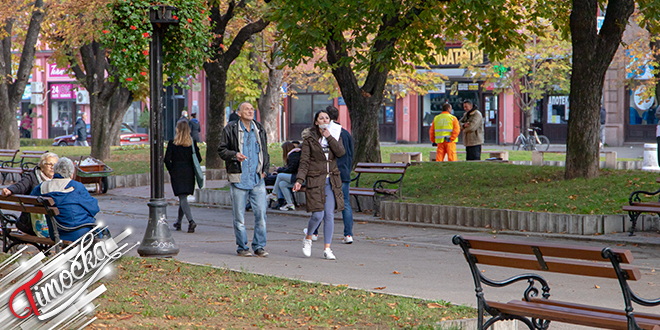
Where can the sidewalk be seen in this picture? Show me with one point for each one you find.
(416, 260)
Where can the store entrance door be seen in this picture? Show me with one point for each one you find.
(490, 113)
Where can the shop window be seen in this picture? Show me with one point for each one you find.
(432, 104)
(305, 105)
(558, 109)
(133, 114)
(642, 111)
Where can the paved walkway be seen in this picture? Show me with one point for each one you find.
(426, 263)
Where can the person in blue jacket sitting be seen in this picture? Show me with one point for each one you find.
(77, 207)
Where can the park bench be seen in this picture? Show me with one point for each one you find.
(610, 157)
(28, 158)
(536, 309)
(23, 203)
(636, 207)
(379, 187)
(7, 165)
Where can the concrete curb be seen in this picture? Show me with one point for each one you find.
(497, 219)
(144, 179)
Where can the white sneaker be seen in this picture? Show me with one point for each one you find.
(270, 197)
(314, 237)
(347, 239)
(327, 253)
(307, 247)
(288, 207)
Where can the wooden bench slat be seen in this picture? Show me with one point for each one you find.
(546, 249)
(27, 199)
(554, 265)
(642, 208)
(593, 308)
(361, 193)
(563, 314)
(35, 239)
(380, 170)
(386, 165)
(26, 208)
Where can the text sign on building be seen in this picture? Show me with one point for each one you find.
(62, 91)
(55, 72)
(457, 56)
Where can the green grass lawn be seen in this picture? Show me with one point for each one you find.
(168, 294)
(519, 187)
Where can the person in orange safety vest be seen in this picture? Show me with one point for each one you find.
(444, 132)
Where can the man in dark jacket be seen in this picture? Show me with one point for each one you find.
(345, 165)
(80, 131)
(243, 146)
(195, 127)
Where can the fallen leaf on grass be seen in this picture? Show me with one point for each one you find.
(170, 317)
(396, 318)
(434, 305)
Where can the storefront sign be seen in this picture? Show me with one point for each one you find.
(62, 91)
(457, 56)
(55, 72)
(558, 109)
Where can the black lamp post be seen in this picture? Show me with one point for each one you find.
(158, 240)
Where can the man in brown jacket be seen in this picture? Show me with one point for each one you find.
(472, 125)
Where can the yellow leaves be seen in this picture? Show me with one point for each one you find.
(434, 305)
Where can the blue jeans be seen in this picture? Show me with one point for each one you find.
(347, 213)
(283, 187)
(257, 197)
(327, 215)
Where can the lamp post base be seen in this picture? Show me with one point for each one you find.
(158, 241)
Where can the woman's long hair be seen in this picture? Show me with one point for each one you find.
(182, 134)
(287, 147)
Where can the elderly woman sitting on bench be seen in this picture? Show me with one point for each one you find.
(77, 207)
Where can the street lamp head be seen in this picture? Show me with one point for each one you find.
(163, 15)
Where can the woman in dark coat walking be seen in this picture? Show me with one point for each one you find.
(318, 168)
(179, 162)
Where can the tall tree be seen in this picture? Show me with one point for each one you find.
(593, 52)
(379, 37)
(75, 40)
(13, 82)
(232, 19)
(270, 98)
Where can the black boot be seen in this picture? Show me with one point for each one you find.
(177, 225)
(191, 226)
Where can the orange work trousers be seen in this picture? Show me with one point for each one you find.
(448, 148)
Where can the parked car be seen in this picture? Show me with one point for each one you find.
(127, 136)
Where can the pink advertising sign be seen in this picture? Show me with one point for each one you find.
(62, 91)
(55, 72)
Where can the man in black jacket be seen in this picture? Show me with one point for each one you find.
(80, 131)
(243, 146)
(195, 127)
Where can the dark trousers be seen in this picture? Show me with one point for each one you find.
(473, 153)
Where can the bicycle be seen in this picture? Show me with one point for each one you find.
(535, 142)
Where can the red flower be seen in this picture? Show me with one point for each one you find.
(189, 20)
(209, 19)
(129, 79)
(145, 52)
(124, 50)
(133, 27)
(175, 17)
(146, 34)
(105, 31)
(143, 73)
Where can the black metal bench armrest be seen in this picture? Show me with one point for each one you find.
(379, 183)
(634, 196)
(530, 292)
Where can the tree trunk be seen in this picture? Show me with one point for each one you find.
(11, 92)
(216, 71)
(363, 102)
(654, 44)
(269, 102)
(215, 117)
(592, 55)
(108, 101)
